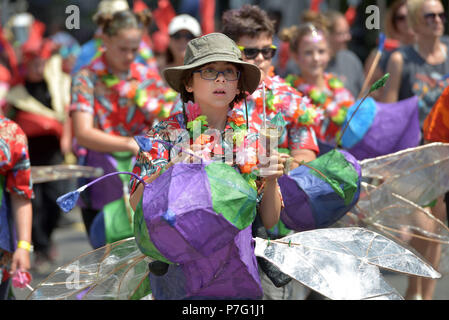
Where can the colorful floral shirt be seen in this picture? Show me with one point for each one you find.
(14, 159)
(331, 104)
(121, 107)
(297, 112)
(165, 140)
(93, 49)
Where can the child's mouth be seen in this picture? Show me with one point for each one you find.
(219, 92)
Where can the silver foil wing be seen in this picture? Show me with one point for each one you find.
(380, 207)
(41, 174)
(343, 263)
(418, 174)
(117, 271)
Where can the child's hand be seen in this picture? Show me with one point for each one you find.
(274, 167)
(20, 260)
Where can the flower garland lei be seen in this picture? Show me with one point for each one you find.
(301, 111)
(245, 148)
(130, 89)
(323, 99)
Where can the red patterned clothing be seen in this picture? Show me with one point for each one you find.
(297, 112)
(436, 124)
(176, 131)
(332, 104)
(14, 159)
(121, 107)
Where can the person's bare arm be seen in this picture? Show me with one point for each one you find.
(301, 155)
(95, 139)
(394, 68)
(22, 212)
(271, 205)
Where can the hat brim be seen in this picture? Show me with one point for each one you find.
(250, 74)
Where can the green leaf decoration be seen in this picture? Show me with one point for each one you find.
(110, 80)
(338, 173)
(379, 83)
(141, 97)
(278, 120)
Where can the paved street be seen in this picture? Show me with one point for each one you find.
(71, 242)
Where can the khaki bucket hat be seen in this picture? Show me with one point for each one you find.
(210, 48)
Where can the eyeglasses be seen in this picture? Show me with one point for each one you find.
(212, 74)
(252, 53)
(187, 36)
(400, 18)
(433, 16)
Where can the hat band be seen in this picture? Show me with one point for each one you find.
(208, 58)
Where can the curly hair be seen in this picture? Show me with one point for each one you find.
(249, 20)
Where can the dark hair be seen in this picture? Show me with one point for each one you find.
(186, 78)
(249, 21)
(125, 20)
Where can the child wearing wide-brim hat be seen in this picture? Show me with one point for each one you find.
(214, 76)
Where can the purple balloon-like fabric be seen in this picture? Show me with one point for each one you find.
(184, 227)
(108, 190)
(297, 212)
(395, 127)
(229, 273)
(309, 201)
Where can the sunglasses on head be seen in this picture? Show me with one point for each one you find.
(433, 16)
(252, 53)
(187, 36)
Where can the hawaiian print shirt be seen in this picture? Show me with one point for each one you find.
(299, 115)
(14, 159)
(168, 137)
(121, 107)
(332, 104)
(296, 111)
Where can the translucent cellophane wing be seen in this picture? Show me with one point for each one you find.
(418, 174)
(41, 174)
(384, 209)
(116, 271)
(343, 263)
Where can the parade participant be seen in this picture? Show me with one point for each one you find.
(181, 30)
(16, 191)
(310, 49)
(343, 62)
(113, 99)
(212, 79)
(398, 33)
(421, 70)
(40, 107)
(93, 48)
(252, 30)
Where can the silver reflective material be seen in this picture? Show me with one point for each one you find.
(114, 271)
(41, 174)
(402, 184)
(343, 263)
(418, 174)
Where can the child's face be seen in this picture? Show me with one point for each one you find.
(260, 42)
(217, 93)
(122, 49)
(312, 56)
